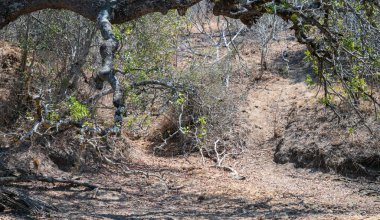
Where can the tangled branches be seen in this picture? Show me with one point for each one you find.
(343, 46)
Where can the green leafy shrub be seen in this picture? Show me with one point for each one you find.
(78, 111)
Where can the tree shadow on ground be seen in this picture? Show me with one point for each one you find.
(293, 66)
(141, 200)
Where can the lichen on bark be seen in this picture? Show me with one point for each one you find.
(106, 73)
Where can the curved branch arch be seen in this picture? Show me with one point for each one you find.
(127, 10)
(124, 10)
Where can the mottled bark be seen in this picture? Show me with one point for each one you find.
(107, 51)
(126, 10)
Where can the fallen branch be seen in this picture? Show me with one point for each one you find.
(233, 172)
(166, 183)
(21, 202)
(155, 82)
(46, 179)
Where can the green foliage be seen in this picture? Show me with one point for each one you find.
(202, 121)
(310, 58)
(78, 111)
(185, 130)
(326, 100)
(136, 121)
(202, 130)
(270, 7)
(358, 84)
(351, 130)
(88, 124)
(349, 44)
(309, 80)
(150, 44)
(342, 48)
(53, 116)
(180, 100)
(29, 116)
(294, 17)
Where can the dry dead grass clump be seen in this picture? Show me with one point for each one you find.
(162, 126)
(315, 138)
(60, 154)
(43, 155)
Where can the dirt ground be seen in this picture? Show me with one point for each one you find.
(182, 187)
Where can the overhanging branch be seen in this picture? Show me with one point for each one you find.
(127, 10)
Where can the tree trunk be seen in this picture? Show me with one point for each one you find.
(107, 51)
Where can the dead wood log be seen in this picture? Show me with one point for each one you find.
(47, 179)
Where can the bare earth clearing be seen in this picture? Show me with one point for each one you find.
(195, 191)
